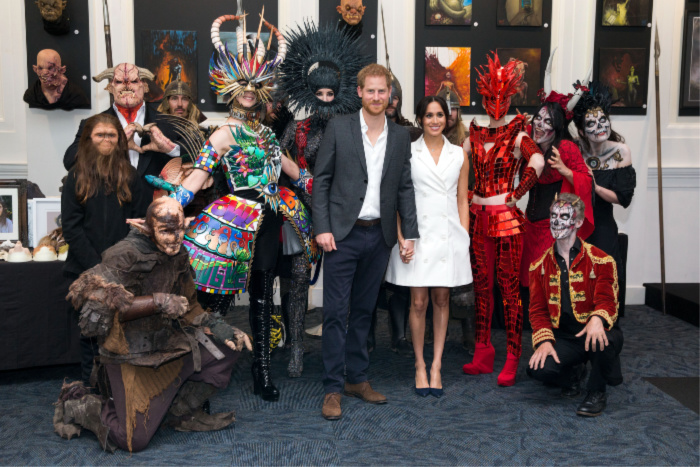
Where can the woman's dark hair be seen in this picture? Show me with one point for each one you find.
(598, 95)
(3, 215)
(422, 108)
(93, 171)
(559, 123)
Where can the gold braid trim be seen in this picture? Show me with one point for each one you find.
(541, 335)
(536, 264)
(616, 285)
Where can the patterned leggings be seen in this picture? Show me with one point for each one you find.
(504, 253)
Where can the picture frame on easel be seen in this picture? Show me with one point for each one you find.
(13, 206)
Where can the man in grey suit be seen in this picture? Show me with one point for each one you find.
(362, 178)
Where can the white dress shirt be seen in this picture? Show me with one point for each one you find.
(140, 119)
(374, 156)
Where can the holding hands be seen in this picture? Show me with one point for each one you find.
(406, 250)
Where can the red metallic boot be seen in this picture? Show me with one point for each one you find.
(483, 360)
(507, 375)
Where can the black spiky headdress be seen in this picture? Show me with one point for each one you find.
(597, 96)
(321, 58)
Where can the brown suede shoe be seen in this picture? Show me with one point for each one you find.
(331, 406)
(365, 392)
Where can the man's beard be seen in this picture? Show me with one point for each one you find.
(391, 112)
(367, 107)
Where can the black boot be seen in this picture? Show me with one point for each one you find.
(399, 305)
(573, 387)
(593, 405)
(260, 292)
(298, 303)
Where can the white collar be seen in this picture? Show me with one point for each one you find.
(365, 127)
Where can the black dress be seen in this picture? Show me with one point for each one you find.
(622, 181)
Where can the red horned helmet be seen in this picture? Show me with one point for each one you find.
(497, 83)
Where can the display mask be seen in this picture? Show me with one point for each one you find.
(544, 131)
(126, 84)
(247, 71)
(48, 68)
(51, 10)
(562, 220)
(165, 220)
(497, 84)
(597, 126)
(351, 11)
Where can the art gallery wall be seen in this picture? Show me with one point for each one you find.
(32, 141)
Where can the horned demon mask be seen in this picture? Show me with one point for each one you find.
(126, 84)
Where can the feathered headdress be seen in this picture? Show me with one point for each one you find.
(247, 70)
(319, 58)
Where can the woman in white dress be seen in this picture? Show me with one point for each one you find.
(440, 173)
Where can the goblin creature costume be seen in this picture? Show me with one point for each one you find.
(154, 363)
(496, 230)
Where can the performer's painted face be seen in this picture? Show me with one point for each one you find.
(179, 105)
(434, 120)
(562, 220)
(167, 224)
(126, 86)
(544, 131)
(51, 10)
(325, 94)
(375, 95)
(351, 11)
(597, 126)
(48, 67)
(105, 138)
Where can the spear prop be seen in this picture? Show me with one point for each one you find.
(108, 42)
(657, 53)
(386, 46)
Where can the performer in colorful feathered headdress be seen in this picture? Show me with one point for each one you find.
(233, 243)
(496, 225)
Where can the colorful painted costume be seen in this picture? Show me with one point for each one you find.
(496, 230)
(329, 59)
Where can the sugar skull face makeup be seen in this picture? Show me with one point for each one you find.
(544, 131)
(562, 220)
(597, 126)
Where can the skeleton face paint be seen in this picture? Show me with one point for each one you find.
(51, 10)
(544, 131)
(597, 126)
(167, 224)
(126, 86)
(351, 11)
(562, 220)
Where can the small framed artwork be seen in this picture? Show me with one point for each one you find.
(13, 210)
(690, 72)
(44, 214)
(626, 12)
(519, 13)
(530, 65)
(171, 56)
(624, 71)
(448, 12)
(449, 67)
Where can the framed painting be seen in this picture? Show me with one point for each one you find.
(519, 13)
(624, 71)
(448, 67)
(690, 68)
(626, 13)
(530, 64)
(448, 12)
(171, 56)
(13, 210)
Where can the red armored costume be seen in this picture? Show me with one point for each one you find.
(496, 229)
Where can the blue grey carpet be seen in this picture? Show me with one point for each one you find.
(476, 422)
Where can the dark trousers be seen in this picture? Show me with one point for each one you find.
(214, 372)
(352, 276)
(605, 364)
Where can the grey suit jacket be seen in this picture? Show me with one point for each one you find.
(340, 181)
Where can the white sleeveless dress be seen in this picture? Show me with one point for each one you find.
(441, 256)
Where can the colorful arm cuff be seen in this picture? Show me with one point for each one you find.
(541, 335)
(528, 148)
(305, 181)
(182, 195)
(527, 181)
(207, 159)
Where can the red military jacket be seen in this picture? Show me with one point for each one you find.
(593, 289)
